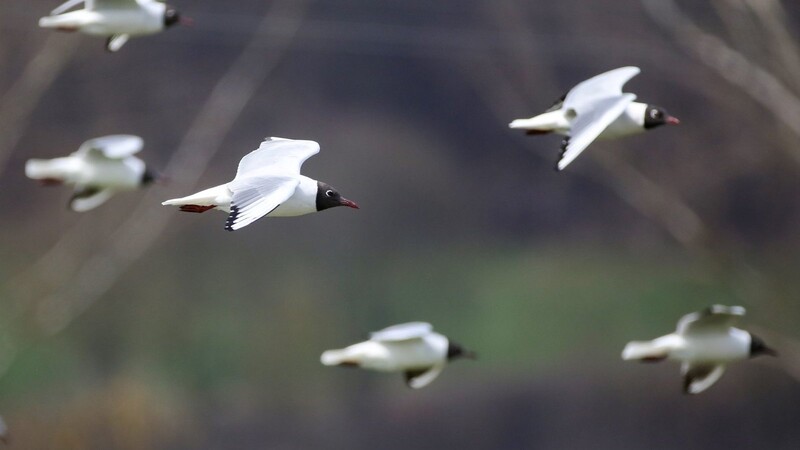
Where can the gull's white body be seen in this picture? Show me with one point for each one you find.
(301, 202)
(121, 19)
(704, 341)
(630, 122)
(135, 18)
(267, 182)
(106, 164)
(400, 348)
(717, 348)
(594, 109)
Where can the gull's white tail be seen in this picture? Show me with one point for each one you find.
(644, 351)
(553, 120)
(66, 22)
(336, 357)
(218, 195)
(39, 169)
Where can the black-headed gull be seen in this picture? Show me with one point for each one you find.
(268, 182)
(704, 342)
(412, 348)
(100, 168)
(117, 20)
(595, 109)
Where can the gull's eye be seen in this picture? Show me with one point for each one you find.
(656, 114)
(329, 193)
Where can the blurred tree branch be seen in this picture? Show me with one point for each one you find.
(761, 85)
(22, 97)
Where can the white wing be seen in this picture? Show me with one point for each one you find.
(278, 155)
(103, 4)
(116, 41)
(699, 377)
(590, 122)
(116, 146)
(256, 196)
(608, 84)
(69, 4)
(86, 198)
(715, 319)
(416, 380)
(402, 332)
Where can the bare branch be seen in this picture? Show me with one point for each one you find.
(23, 96)
(762, 86)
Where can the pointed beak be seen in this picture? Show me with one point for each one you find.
(673, 120)
(468, 354)
(348, 203)
(186, 21)
(770, 352)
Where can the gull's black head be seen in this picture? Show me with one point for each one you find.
(655, 116)
(171, 17)
(455, 351)
(149, 176)
(758, 347)
(328, 197)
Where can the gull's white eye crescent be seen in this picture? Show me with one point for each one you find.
(329, 193)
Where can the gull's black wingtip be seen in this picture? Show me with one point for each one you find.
(232, 218)
(563, 148)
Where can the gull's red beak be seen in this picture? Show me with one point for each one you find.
(348, 203)
(186, 21)
(673, 120)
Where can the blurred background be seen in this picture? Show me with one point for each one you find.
(135, 326)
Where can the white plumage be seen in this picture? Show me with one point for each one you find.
(118, 20)
(411, 348)
(267, 182)
(100, 168)
(595, 109)
(704, 342)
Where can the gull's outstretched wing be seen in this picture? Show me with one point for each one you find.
(117, 146)
(278, 155)
(256, 196)
(714, 319)
(87, 198)
(608, 84)
(116, 41)
(402, 332)
(589, 123)
(69, 4)
(416, 379)
(699, 377)
(103, 4)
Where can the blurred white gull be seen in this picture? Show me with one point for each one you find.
(595, 109)
(268, 182)
(100, 168)
(412, 348)
(705, 342)
(117, 20)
